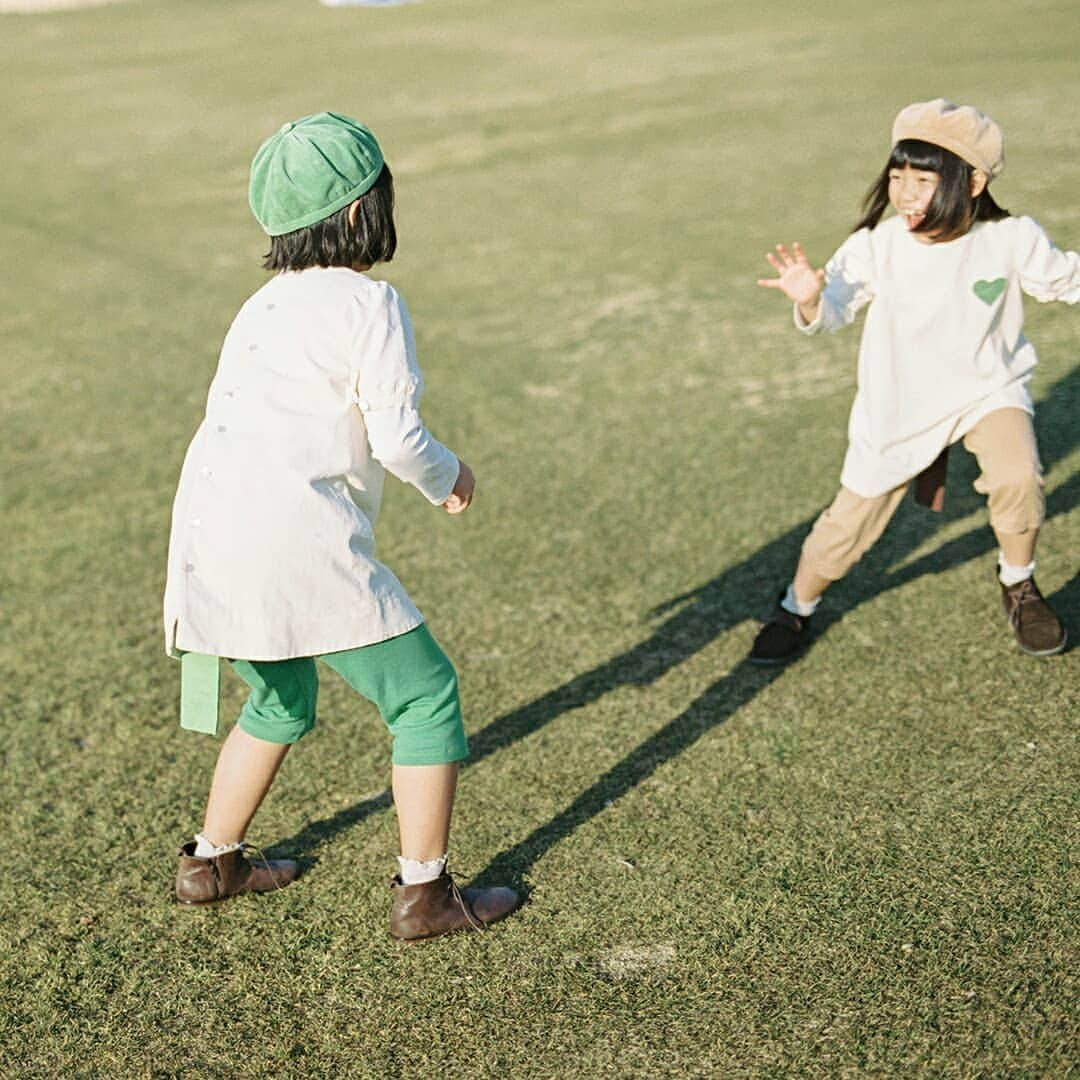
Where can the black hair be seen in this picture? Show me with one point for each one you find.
(952, 210)
(333, 241)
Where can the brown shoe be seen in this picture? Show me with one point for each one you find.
(205, 881)
(1038, 630)
(440, 907)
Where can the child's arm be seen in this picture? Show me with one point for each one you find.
(824, 299)
(402, 444)
(1046, 272)
(388, 389)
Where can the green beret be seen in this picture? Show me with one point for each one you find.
(310, 169)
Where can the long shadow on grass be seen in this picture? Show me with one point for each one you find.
(738, 687)
(706, 612)
(696, 618)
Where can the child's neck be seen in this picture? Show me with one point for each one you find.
(934, 238)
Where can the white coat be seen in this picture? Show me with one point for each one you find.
(272, 549)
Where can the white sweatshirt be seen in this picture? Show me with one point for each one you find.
(943, 343)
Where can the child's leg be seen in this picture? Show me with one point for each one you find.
(842, 534)
(279, 710)
(1011, 477)
(414, 685)
(245, 769)
(807, 585)
(424, 799)
(415, 688)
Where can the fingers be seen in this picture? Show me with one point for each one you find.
(458, 504)
(461, 496)
(786, 259)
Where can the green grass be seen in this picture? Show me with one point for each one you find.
(863, 865)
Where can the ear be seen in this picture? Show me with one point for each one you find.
(354, 208)
(978, 183)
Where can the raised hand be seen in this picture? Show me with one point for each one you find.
(797, 279)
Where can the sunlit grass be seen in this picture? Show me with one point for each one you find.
(860, 865)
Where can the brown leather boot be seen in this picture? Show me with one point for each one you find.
(205, 881)
(440, 907)
(1038, 630)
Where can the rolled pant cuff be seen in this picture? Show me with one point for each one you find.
(446, 755)
(831, 572)
(272, 733)
(1014, 524)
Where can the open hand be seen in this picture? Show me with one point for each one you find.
(462, 495)
(797, 280)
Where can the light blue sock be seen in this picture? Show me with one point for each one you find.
(804, 611)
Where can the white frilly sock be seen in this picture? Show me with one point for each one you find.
(417, 872)
(206, 849)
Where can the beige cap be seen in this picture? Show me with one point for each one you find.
(964, 130)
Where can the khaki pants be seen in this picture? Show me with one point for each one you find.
(1011, 477)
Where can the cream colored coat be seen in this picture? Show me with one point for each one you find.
(272, 550)
(943, 343)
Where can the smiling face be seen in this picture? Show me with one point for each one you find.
(937, 195)
(910, 193)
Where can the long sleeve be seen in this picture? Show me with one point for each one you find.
(388, 391)
(404, 446)
(849, 286)
(1046, 272)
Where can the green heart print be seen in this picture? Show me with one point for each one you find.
(989, 291)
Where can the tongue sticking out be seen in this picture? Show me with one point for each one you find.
(913, 221)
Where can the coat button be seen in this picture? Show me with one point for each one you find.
(222, 429)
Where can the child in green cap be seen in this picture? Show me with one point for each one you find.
(272, 553)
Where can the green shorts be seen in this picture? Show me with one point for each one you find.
(409, 678)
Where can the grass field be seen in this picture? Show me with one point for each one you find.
(861, 865)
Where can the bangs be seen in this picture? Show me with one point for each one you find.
(952, 210)
(919, 155)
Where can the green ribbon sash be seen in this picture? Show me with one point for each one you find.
(200, 679)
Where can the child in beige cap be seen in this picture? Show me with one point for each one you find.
(943, 358)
